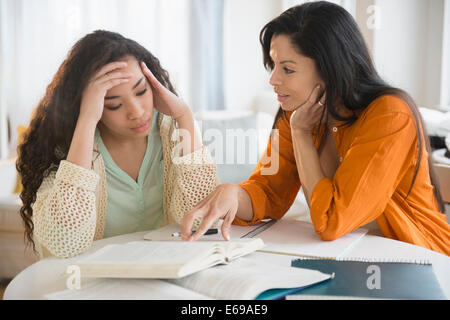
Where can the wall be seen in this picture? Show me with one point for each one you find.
(245, 76)
(407, 47)
(445, 77)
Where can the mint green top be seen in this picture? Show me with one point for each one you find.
(134, 206)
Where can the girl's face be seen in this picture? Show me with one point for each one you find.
(294, 76)
(128, 110)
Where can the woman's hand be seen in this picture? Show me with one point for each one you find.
(91, 110)
(93, 97)
(164, 100)
(222, 203)
(308, 115)
(303, 121)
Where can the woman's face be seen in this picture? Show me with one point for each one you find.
(294, 76)
(128, 110)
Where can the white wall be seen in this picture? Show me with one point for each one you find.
(445, 77)
(407, 46)
(399, 48)
(434, 54)
(245, 76)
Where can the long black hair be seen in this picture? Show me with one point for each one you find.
(328, 34)
(51, 129)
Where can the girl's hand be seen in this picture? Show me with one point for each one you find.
(164, 100)
(308, 115)
(222, 203)
(93, 97)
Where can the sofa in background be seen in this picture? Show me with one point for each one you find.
(14, 255)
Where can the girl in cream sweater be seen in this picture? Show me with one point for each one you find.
(111, 149)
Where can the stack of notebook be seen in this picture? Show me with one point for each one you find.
(373, 279)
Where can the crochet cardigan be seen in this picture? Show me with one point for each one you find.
(70, 208)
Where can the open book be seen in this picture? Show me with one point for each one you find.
(163, 259)
(241, 279)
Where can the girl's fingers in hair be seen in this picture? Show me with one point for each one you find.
(114, 75)
(109, 68)
(115, 82)
(153, 81)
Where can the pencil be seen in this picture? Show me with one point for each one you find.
(209, 232)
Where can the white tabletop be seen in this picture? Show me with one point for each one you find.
(48, 275)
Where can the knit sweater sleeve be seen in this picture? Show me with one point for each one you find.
(188, 179)
(64, 213)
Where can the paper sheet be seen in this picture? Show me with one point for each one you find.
(246, 279)
(299, 238)
(127, 289)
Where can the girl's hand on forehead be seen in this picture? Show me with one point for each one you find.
(164, 100)
(93, 97)
(308, 115)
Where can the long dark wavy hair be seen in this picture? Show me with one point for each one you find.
(328, 34)
(51, 128)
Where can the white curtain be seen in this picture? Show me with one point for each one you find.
(207, 70)
(35, 36)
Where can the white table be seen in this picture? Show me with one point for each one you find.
(48, 275)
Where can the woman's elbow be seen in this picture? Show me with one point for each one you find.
(330, 234)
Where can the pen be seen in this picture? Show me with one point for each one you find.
(210, 231)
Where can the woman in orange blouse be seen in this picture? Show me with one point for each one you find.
(355, 144)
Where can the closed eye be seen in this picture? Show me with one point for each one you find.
(114, 107)
(142, 92)
(288, 71)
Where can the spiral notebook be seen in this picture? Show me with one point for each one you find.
(373, 279)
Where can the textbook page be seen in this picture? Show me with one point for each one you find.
(244, 279)
(162, 259)
(127, 289)
(149, 252)
(296, 237)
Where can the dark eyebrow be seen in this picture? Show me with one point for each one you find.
(288, 61)
(134, 87)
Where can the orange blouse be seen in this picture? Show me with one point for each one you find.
(378, 157)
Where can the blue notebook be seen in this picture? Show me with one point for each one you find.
(278, 294)
(374, 279)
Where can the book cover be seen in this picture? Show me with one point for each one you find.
(374, 279)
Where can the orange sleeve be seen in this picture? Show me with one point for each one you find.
(274, 183)
(383, 148)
